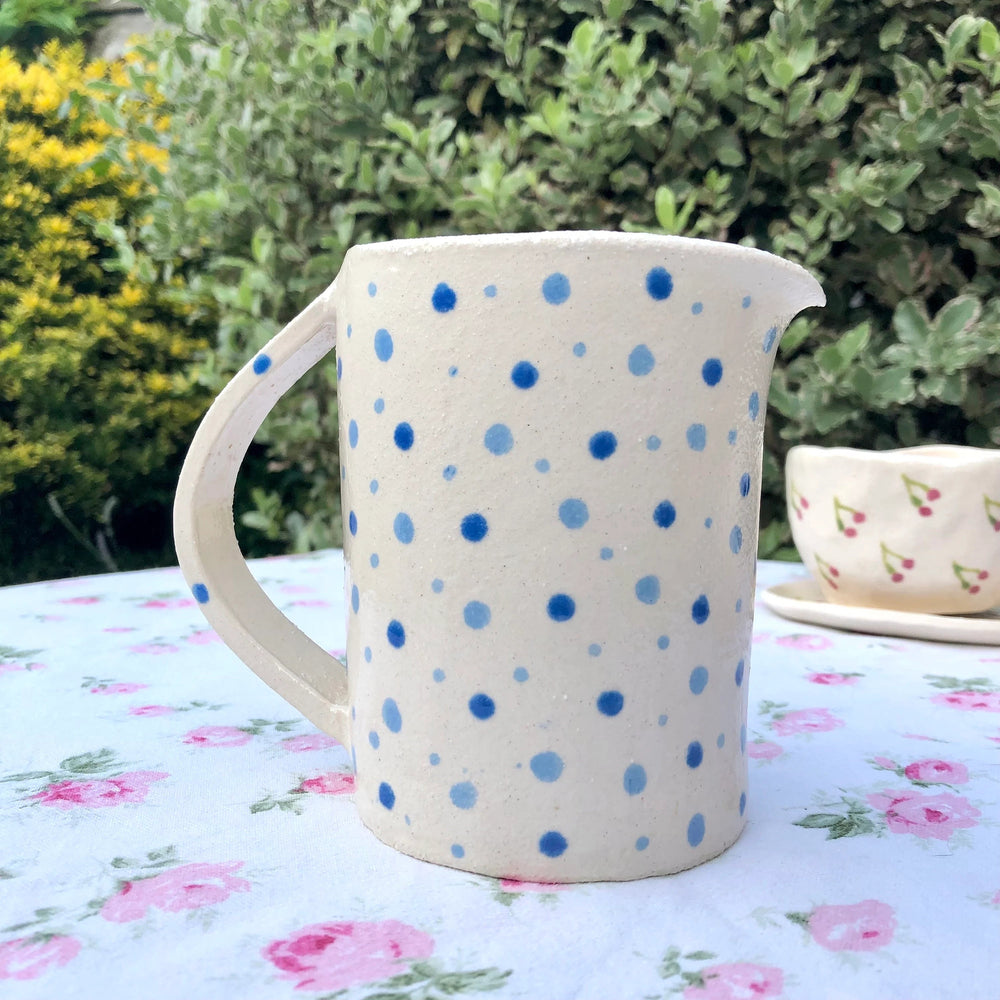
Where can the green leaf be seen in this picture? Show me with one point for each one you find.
(89, 763)
(956, 316)
(699, 956)
(666, 208)
(892, 33)
(911, 324)
(819, 821)
(989, 40)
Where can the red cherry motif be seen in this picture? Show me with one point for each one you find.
(897, 577)
(850, 532)
(798, 514)
(908, 564)
(925, 512)
(996, 525)
(804, 502)
(983, 575)
(933, 494)
(858, 517)
(834, 571)
(974, 589)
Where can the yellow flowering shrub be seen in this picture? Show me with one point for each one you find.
(98, 391)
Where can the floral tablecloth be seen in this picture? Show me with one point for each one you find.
(169, 828)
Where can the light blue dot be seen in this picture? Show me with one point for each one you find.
(769, 338)
(355, 598)
(662, 720)
(368, 654)
(603, 445)
(482, 706)
(463, 795)
(663, 642)
(743, 739)
(386, 795)
(746, 301)
(402, 527)
(372, 288)
(607, 553)
(641, 360)
(731, 437)
(753, 405)
(552, 844)
(383, 345)
(453, 371)
(580, 349)
(435, 759)
(594, 649)
(696, 830)
(200, 593)
(695, 754)
(498, 439)
(349, 331)
(261, 363)
(698, 680)
(437, 585)
(720, 740)
(659, 283)
(542, 465)
(743, 802)
(696, 308)
(561, 607)
(476, 614)
(373, 739)
(634, 780)
(555, 288)
(457, 851)
(352, 523)
(547, 766)
(438, 675)
(391, 716)
(443, 298)
(449, 472)
(490, 291)
(711, 371)
(744, 484)
(374, 560)
(739, 604)
(700, 610)
(379, 405)
(642, 843)
(340, 368)
(736, 539)
(708, 522)
(573, 513)
(352, 433)
(648, 589)
(696, 437)
(520, 674)
(740, 668)
(653, 443)
(610, 702)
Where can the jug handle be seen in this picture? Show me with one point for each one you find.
(284, 657)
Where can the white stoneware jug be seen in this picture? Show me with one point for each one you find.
(551, 449)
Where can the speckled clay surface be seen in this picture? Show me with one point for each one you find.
(551, 450)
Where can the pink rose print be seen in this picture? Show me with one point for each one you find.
(334, 783)
(807, 643)
(119, 628)
(133, 786)
(310, 741)
(120, 687)
(926, 816)
(29, 958)
(516, 885)
(188, 887)
(764, 750)
(806, 720)
(154, 648)
(970, 701)
(203, 637)
(863, 926)
(337, 955)
(833, 680)
(13, 668)
(169, 602)
(737, 981)
(217, 736)
(80, 600)
(886, 763)
(942, 772)
(151, 710)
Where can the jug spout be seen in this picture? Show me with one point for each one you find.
(794, 289)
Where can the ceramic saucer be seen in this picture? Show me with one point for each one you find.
(802, 601)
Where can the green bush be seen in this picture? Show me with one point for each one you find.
(860, 138)
(26, 25)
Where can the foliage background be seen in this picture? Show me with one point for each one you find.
(858, 137)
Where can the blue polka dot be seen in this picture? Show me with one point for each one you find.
(403, 436)
(711, 371)
(708, 522)
(744, 484)
(373, 739)
(434, 759)
(490, 291)
(200, 593)
(743, 802)
(696, 308)
(642, 843)
(438, 675)
(349, 331)
(653, 443)
(663, 642)
(449, 472)
(443, 298)
(665, 514)
(555, 288)
(659, 283)
(736, 539)
(383, 345)
(402, 527)
(476, 614)
(391, 716)
(700, 610)
(457, 851)
(547, 766)
(594, 649)
(662, 720)
(740, 667)
(607, 553)
(520, 674)
(355, 598)
(743, 738)
(542, 465)
(753, 405)
(561, 607)
(498, 439)
(720, 741)
(641, 360)
(698, 680)
(552, 844)
(573, 513)
(395, 633)
(580, 349)
(695, 754)
(453, 371)
(648, 589)
(739, 604)
(386, 795)
(368, 654)
(474, 527)
(463, 795)
(482, 706)
(746, 301)
(437, 585)
(610, 702)
(731, 436)
(374, 560)
(352, 523)
(524, 375)
(379, 405)
(261, 363)
(696, 436)
(603, 445)
(340, 368)
(372, 288)
(696, 830)
(634, 780)
(769, 338)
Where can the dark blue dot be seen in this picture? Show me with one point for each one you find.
(449, 472)
(610, 702)
(490, 291)
(695, 754)
(373, 739)
(736, 539)
(372, 288)
(607, 553)
(403, 436)
(457, 851)
(700, 610)
(200, 593)
(552, 844)
(437, 586)
(696, 830)
(261, 363)
(580, 349)
(556, 289)
(641, 360)
(659, 283)
(476, 614)
(739, 672)
(743, 803)
(642, 843)
(386, 795)
(443, 298)
(744, 484)
(753, 405)
(463, 795)
(383, 345)
(355, 598)
(603, 445)
(711, 371)
(561, 607)
(648, 589)
(573, 513)
(482, 706)
(663, 642)
(402, 526)
(696, 437)
(769, 338)
(547, 766)
(698, 680)
(634, 780)
(379, 405)
(665, 514)
(474, 527)
(520, 674)
(352, 523)
(498, 439)
(524, 375)
(391, 716)
(395, 633)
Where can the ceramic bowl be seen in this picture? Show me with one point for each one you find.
(914, 529)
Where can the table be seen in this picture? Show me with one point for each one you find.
(169, 828)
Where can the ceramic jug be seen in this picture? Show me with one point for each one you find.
(551, 449)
